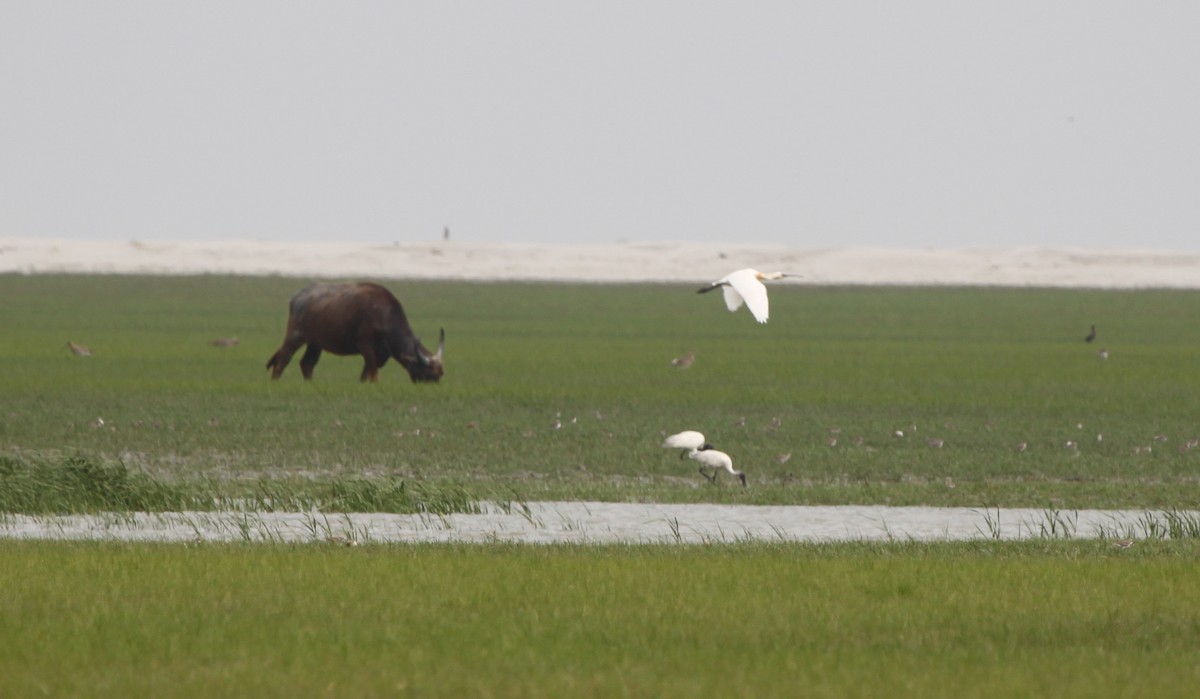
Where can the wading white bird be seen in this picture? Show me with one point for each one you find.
(702, 452)
(746, 286)
(690, 440)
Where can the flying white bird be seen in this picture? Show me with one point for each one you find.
(746, 286)
(702, 452)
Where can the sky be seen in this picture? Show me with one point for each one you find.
(918, 124)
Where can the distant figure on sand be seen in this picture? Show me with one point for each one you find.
(1091, 336)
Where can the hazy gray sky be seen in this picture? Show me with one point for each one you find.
(913, 124)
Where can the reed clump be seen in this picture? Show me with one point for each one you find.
(81, 485)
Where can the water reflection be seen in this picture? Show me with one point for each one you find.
(595, 522)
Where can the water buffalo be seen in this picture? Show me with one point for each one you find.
(350, 319)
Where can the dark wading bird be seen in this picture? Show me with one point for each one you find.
(1091, 336)
(346, 319)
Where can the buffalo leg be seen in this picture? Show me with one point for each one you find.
(370, 354)
(370, 370)
(309, 360)
(279, 361)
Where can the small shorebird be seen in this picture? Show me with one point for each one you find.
(1103, 353)
(79, 350)
(685, 361)
(746, 286)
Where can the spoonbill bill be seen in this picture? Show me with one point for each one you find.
(700, 451)
(746, 286)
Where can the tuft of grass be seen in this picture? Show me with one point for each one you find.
(357, 495)
(79, 485)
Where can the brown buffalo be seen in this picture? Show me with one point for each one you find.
(350, 319)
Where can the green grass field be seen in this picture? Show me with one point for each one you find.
(976, 619)
(982, 369)
(159, 419)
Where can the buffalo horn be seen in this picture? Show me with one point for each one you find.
(441, 345)
(421, 356)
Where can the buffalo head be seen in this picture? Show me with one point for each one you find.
(425, 366)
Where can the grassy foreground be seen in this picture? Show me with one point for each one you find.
(830, 381)
(956, 620)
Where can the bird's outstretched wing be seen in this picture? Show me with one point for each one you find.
(732, 298)
(744, 285)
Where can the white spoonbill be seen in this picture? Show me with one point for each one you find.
(688, 439)
(702, 452)
(746, 286)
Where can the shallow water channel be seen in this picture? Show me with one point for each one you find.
(597, 523)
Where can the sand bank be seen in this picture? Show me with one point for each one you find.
(661, 261)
